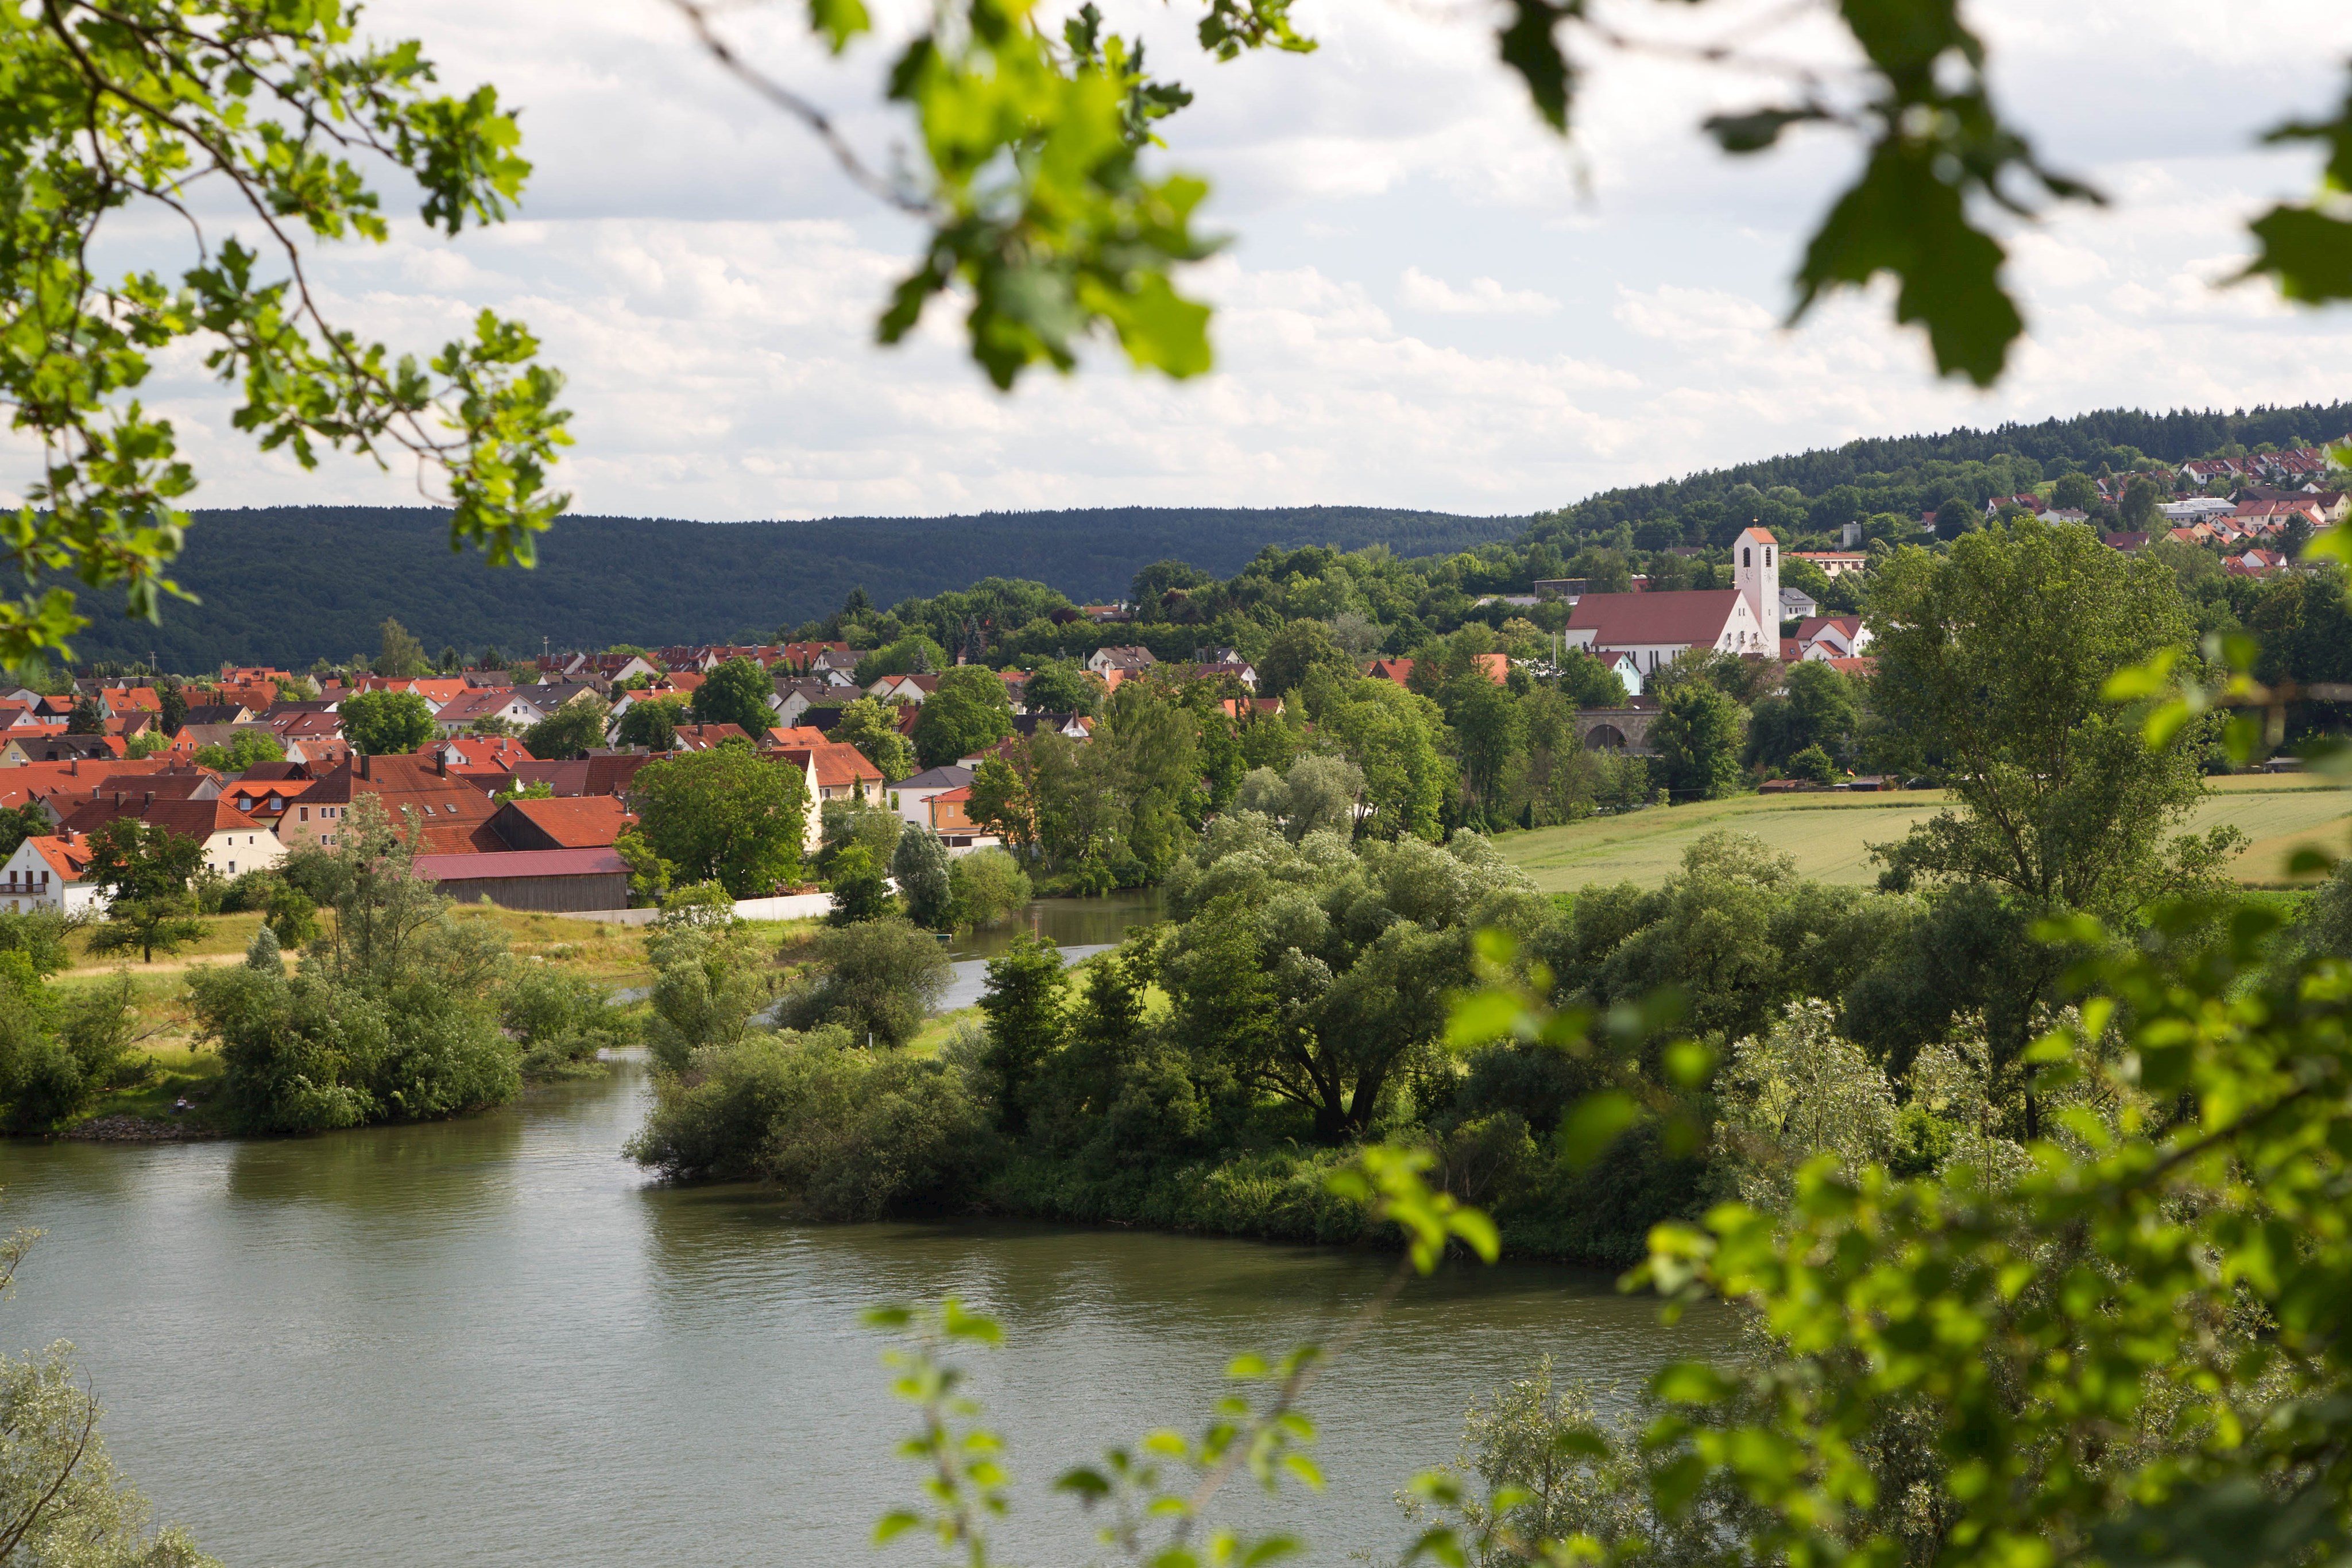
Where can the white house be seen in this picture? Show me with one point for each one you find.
(1127, 660)
(1833, 637)
(1657, 629)
(50, 873)
(1796, 604)
(911, 797)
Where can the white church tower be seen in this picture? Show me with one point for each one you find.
(1756, 572)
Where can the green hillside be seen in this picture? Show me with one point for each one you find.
(292, 584)
(289, 584)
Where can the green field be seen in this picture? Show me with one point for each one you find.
(1830, 834)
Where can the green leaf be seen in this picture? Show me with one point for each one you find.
(1901, 217)
(1758, 129)
(2308, 253)
(1596, 1121)
(838, 21)
(893, 1524)
(1480, 1018)
(1530, 46)
(1688, 1063)
(1691, 1382)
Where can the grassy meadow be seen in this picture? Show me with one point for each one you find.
(1831, 834)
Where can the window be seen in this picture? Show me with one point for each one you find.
(1746, 557)
(306, 813)
(232, 868)
(1768, 555)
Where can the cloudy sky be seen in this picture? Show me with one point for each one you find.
(1429, 300)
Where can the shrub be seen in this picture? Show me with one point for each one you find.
(60, 1052)
(986, 886)
(877, 978)
(559, 1021)
(850, 1134)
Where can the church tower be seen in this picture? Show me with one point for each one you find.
(1756, 572)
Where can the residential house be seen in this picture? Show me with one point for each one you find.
(608, 668)
(911, 797)
(795, 698)
(903, 688)
(21, 749)
(1397, 670)
(191, 738)
(1241, 670)
(1796, 604)
(833, 771)
(1068, 726)
(598, 773)
(950, 818)
(462, 713)
(2255, 563)
(1620, 662)
(2130, 543)
(224, 712)
(234, 842)
(547, 697)
(1121, 662)
(1838, 637)
(2196, 510)
(266, 800)
(450, 812)
(703, 736)
(50, 871)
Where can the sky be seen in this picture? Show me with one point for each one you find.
(1428, 300)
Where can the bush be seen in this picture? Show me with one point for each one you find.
(1814, 765)
(40, 936)
(877, 978)
(850, 1134)
(559, 1021)
(986, 886)
(60, 1052)
(859, 894)
(310, 1054)
(706, 988)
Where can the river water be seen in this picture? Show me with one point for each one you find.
(492, 1341)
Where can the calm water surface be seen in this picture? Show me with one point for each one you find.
(491, 1342)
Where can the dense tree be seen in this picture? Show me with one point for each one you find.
(726, 815)
(1391, 735)
(572, 730)
(859, 891)
(737, 691)
(1697, 736)
(920, 866)
(18, 823)
(873, 728)
(145, 869)
(1992, 663)
(2140, 500)
(244, 748)
(174, 699)
(385, 724)
(1816, 707)
(2074, 492)
(1061, 685)
(1023, 1006)
(986, 886)
(399, 656)
(651, 723)
(875, 979)
(85, 717)
(1955, 517)
(1588, 682)
(968, 712)
(1294, 650)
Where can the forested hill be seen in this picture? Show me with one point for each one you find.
(289, 584)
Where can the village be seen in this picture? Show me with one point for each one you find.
(515, 784)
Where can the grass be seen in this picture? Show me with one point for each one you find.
(1830, 834)
(179, 1069)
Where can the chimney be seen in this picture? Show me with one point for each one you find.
(441, 762)
(365, 759)
(151, 799)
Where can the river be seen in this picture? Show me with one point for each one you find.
(492, 1341)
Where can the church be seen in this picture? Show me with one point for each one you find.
(1656, 628)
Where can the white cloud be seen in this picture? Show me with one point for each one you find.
(1416, 290)
(709, 281)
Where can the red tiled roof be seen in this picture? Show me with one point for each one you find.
(453, 814)
(66, 855)
(579, 822)
(1692, 615)
(198, 819)
(839, 766)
